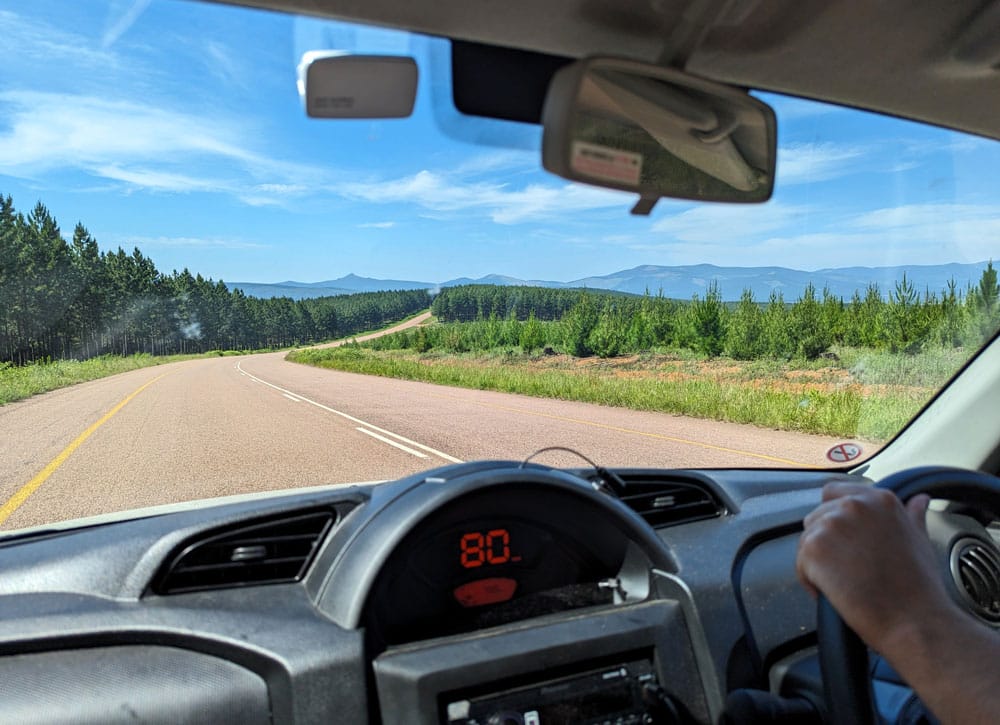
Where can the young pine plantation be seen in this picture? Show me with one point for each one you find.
(859, 368)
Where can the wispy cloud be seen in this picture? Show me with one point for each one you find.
(951, 143)
(501, 203)
(377, 225)
(154, 180)
(974, 228)
(226, 65)
(491, 162)
(27, 41)
(156, 149)
(812, 162)
(125, 21)
(718, 224)
(281, 189)
(814, 237)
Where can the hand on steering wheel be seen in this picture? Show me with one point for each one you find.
(868, 556)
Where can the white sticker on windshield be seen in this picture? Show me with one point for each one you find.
(605, 163)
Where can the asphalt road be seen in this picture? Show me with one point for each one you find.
(220, 426)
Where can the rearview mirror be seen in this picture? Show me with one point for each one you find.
(659, 132)
(336, 85)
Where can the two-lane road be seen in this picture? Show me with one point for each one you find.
(220, 426)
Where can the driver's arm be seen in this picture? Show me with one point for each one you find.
(872, 559)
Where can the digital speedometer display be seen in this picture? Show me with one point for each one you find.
(490, 548)
(494, 557)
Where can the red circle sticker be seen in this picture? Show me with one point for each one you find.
(844, 452)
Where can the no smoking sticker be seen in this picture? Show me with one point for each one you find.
(844, 452)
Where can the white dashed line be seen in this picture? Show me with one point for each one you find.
(410, 444)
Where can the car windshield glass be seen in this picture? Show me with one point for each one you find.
(181, 249)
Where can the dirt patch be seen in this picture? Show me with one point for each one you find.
(666, 369)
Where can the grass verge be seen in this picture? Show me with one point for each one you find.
(848, 410)
(19, 382)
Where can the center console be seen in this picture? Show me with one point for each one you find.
(629, 664)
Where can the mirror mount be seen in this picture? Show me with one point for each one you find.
(721, 133)
(659, 132)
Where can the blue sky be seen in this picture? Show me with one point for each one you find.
(177, 127)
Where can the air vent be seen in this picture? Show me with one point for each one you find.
(667, 502)
(975, 566)
(264, 552)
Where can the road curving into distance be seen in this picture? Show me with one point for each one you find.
(231, 425)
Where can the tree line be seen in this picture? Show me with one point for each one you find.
(471, 302)
(582, 323)
(68, 299)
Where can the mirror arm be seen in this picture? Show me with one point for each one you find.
(644, 205)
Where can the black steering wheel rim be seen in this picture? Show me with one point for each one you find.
(843, 656)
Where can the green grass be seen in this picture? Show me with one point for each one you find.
(842, 412)
(931, 368)
(19, 382)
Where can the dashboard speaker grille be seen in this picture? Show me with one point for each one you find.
(270, 551)
(975, 566)
(667, 502)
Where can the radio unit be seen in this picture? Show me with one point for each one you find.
(622, 694)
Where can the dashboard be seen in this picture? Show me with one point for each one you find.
(487, 592)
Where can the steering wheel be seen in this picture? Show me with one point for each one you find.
(843, 656)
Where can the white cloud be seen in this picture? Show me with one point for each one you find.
(493, 161)
(281, 189)
(504, 205)
(24, 40)
(929, 219)
(816, 250)
(227, 66)
(159, 180)
(811, 162)
(124, 22)
(377, 225)
(948, 142)
(143, 146)
(972, 229)
(52, 129)
(811, 238)
(719, 224)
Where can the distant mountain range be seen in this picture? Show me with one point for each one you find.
(677, 282)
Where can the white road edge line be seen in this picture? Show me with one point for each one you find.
(351, 418)
(291, 397)
(400, 446)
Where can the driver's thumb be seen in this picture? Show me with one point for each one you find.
(916, 508)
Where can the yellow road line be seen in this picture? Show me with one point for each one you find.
(31, 486)
(659, 436)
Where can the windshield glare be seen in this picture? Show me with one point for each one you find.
(242, 299)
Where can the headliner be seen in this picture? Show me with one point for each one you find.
(928, 60)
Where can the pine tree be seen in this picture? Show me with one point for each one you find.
(745, 334)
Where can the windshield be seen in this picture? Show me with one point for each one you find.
(183, 253)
